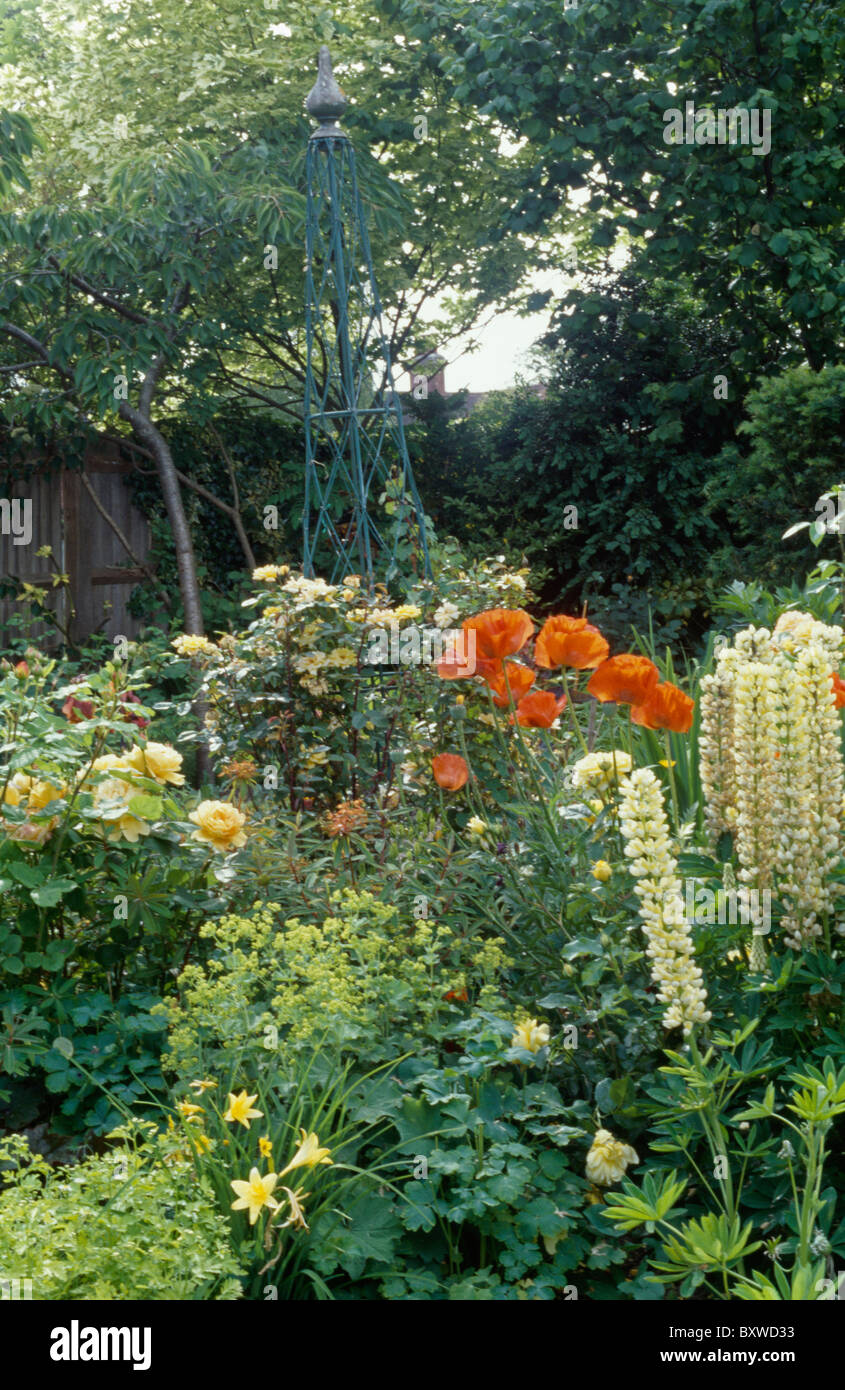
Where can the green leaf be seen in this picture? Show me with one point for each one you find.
(145, 807)
(582, 946)
(27, 874)
(49, 894)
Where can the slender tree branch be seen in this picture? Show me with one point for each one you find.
(101, 297)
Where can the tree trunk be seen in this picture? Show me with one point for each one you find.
(186, 564)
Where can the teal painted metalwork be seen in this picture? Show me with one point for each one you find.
(355, 448)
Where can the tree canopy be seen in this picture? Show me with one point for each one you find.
(758, 232)
(155, 261)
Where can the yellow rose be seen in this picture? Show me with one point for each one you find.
(42, 793)
(17, 789)
(341, 656)
(108, 762)
(129, 828)
(219, 824)
(189, 644)
(135, 759)
(30, 834)
(121, 824)
(163, 763)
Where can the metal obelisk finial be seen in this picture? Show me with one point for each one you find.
(326, 102)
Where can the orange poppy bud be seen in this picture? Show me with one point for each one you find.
(566, 641)
(626, 679)
(666, 707)
(519, 678)
(500, 632)
(539, 709)
(838, 690)
(450, 771)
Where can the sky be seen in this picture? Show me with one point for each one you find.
(504, 345)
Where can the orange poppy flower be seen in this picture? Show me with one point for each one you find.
(666, 707)
(520, 679)
(456, 664)
(838, 690)
(499, 632)
(450, 771)
(626, 679)
(566, 641)
(539, 710)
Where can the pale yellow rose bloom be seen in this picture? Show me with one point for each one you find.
(135, 759)
(109, 762)
(163, 763)
(127, 828)
(42, 793)
(219, 824)
(19, 785)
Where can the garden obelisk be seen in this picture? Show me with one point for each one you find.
(362, 511)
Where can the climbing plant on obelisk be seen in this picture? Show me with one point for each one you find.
(361, 501)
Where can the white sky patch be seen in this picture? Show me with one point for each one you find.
(504, 345)
(505, 341)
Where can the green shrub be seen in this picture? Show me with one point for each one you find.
(127, 1224)
(101, 879)
(796, 438)
(363, 983)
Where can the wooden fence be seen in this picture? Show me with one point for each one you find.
(63, 513)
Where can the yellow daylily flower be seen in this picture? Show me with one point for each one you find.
(309, 1153)
(199, 1086)
(240, 1109)
(189, 1112)
(254, 1194)
(265, 1146)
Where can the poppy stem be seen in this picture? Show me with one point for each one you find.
(532, 764)
(573, 716)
